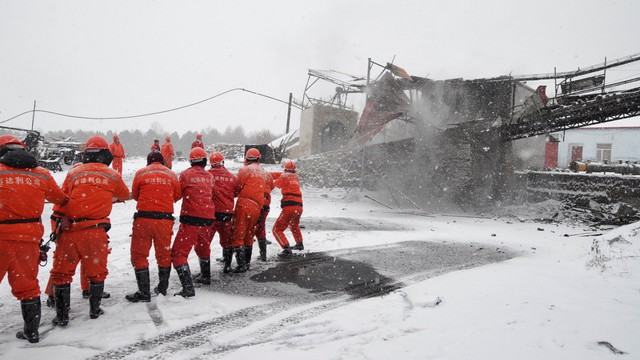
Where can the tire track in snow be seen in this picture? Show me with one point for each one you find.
(199, 334)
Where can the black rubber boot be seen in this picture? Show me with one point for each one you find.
(31, 309)
(163, 280)
(62, 295)
(144, 284)
(241, 260)
(262, 245)
(248, 251)
(227, 255)
(298, 246)
(184, 273)
(95, 289)
(205, 272)
(286, 252)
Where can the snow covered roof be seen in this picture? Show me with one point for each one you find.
(289, 139)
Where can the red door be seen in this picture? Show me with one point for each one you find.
(576, 153)
(551, 155)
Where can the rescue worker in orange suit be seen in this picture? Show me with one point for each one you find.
(56, 218)
(167, 152)
(261, 231)
(224, 187)
(155, 188)
(91, 187)
(196, 217)
(198, 142)
(291, 204)
(117, 150)
(156, 145)
(251, 189)
(23, 188)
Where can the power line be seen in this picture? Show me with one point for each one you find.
(147, 114)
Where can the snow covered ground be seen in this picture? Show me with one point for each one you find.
(568, 293)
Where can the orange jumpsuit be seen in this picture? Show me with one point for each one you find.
(167, 154)
(22, 195)
(91, 188)
(196, 215)
(251, 190)
(117, 150)
(155, 188)
(291, 205)
(55, 218)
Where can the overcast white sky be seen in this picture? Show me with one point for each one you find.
(120, 58)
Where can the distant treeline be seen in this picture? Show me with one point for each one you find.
(138, 143)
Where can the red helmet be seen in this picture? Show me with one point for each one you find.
(198, 136)
(96, 142)
(253, 154)
(197, 153)
(290, 166)
(115, 137)
(167, 139)
(10, 140)
(216, 158)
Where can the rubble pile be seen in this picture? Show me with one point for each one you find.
(598, 198)
(556, 211)
(230, 151)
(369, 167)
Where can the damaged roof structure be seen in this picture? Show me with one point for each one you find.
(448, 142)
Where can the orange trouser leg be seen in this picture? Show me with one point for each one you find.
(289, 218)
(89, 246)
(186, 238)
(223, 228)
(117, 164)
(147, 232)
(49, 289)
(261, 231)
(278, 229)
(294, 223)
(84, 280)
(19, 261)
(246, 217)
(203, 242)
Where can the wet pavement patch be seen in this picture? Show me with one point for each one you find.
(320, 272)
(371, 271)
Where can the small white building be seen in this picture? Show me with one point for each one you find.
(598, 144)
(602, 143)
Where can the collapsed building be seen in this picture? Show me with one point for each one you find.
(450, 143)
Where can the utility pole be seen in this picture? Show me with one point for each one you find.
(289, 112)
(366, 94)
(33, 115)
